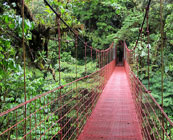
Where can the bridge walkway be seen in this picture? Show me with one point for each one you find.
(114, 117)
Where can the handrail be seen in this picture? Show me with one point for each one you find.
(101, 76)
(144, 105)
(53, 90)
(153, 99)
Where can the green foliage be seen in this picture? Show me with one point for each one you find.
(155, 83)
(130, 27)
(101, 18)
(99, 22)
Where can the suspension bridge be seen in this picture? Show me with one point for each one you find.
(114, 105)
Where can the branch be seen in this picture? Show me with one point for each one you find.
(27, 12)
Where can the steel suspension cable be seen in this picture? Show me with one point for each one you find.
(148, 5)
(58, 15)
(146, 17)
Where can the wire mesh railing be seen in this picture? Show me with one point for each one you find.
(154, 122)
(60, 113)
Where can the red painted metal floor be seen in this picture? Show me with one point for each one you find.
(114, 117)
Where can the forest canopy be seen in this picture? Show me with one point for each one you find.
(97, 22)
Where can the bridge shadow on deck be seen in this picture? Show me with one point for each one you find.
(114, 117)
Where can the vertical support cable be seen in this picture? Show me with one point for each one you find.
(148, 46)
(108, 61)
(162, 55)
(85, 59)
(107, 64)
(103, 59)
(112, 54)
(141, 47)
(91, 53)
(24, 59)
(99, 55)
(92, 98)
(134, 62)
(124, 50)
(59, 57)
(8, 124)
(77, 108)
(100, 59)
(86, 73)
(137, 61)
(16, 126)
(140, 94)
(108, 56)
(96, 60)
(115, 53)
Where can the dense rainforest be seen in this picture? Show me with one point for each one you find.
(97, 22)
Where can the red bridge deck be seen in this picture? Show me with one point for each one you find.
(114, 117)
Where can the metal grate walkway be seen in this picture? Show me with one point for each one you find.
(114, 117)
